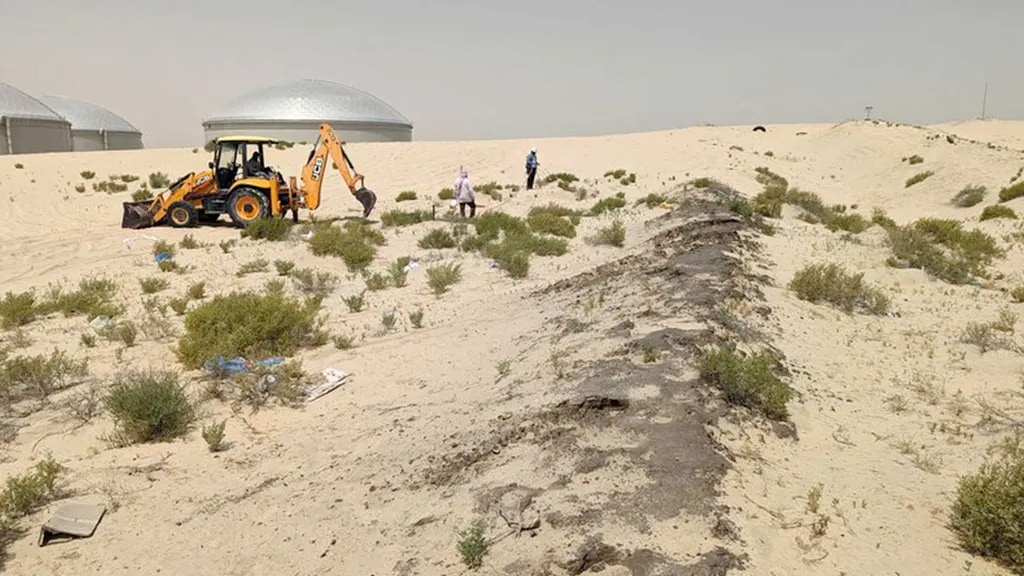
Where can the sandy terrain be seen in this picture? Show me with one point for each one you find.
(538, 394)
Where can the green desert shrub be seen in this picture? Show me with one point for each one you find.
(437, 239)
(356, 247)
(969, 196)
(405, 196)
(248, 324)
(748, 380)
(943, 249)
(832, 284)
(918, 178)
(149, 406)
(997, 211)
(987, 514)
(1012, 192)
(273, 229)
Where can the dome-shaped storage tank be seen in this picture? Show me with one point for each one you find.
(293, 112)
(27, 126)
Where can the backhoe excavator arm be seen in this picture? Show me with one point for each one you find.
(328, 145)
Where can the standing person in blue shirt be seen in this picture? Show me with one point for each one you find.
(531, 168)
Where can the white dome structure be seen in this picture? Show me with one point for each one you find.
(94, 127)
(27, 126)
(293, 112)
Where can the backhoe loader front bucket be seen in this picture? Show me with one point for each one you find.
(137, 215)
(368, 199)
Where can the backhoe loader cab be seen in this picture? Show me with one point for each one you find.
(239, 183)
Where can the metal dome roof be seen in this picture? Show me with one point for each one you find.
(309, 100)
(86, 116)
(16, 104)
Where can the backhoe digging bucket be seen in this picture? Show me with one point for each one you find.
(368, 199)
(137, 215)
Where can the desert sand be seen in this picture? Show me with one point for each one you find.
(538, 394)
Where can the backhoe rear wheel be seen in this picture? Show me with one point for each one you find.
(247, 204)
(182, 214)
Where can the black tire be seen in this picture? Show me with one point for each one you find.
(208, 218)
(182, 214)
(247, 204)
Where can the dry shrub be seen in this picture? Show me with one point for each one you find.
(832, 284)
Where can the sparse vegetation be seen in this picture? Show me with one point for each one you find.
(93, 298)
(554, 220)
(249, 324)
(994, 335)
(376, 282)
(608, 204)
(943, 249)
(1017, 294)
(343, 341)
(252, 267)
(437, 239)
(153, 285)
(313, 282)
(213, 434)
(142, 194)
(1012, 192)
(997, 211)
(969, 196)
(158, 180)
(988, 509)
(399, 275)
(87, 174)
(272, 229)
(406, 196)
(416, 318)
(355, 244)
(446, 194)
(509, 242)
(748, 380)
(25, 494)
(652, 200)
(356, 302)
(918, 178)
(196, 291)
(443, 276)
(189, 242)
(398, 218)
(832, 284)
(612, 235)
(473, 544)
(913, 160)
(38, 376)
(148, 406)
(284, 267)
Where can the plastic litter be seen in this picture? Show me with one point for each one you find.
(411, 265)
(128, 241)
(160, 257)
(333, 379)
(239, 365)
(99, 322)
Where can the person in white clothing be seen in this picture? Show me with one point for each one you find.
(464, 194)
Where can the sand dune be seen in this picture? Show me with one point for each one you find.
(570, 397)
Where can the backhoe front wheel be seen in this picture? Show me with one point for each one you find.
(246, 205)
(182, 214)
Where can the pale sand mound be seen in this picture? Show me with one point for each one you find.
(570, 398)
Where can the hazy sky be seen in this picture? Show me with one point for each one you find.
(463, 69)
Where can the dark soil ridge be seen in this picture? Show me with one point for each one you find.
(698, 262)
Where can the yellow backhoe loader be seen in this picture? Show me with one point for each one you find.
(240, 185)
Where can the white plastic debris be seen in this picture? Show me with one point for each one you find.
(128, 241)
(333, 379)
(411, 265)
(99, 322)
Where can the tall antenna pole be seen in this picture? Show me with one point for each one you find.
(984, 101)
(867, 112)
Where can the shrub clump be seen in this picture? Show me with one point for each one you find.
(777, 193)
(443, 276)
(273, 229)
(406, 196)
(438, 239)
(918, 178)
(997, 211)
(355, 243)
(943, 249)
(988, 510)
(149, 406)
(1011, 192)
(545, 222)
(612, 235)
(509, 241)
(832, 284)
(396, 218)
(248, 324)
(747, 380)
(969, 196)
